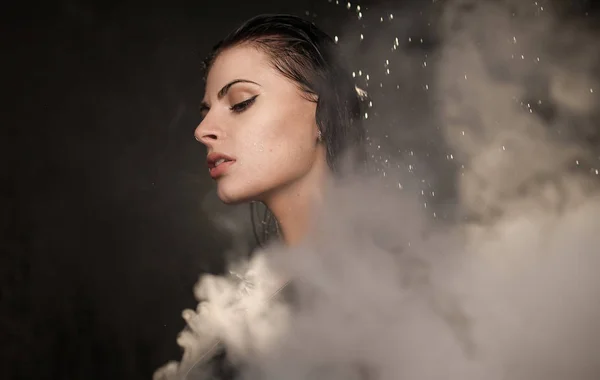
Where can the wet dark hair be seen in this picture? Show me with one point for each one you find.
(310, 58)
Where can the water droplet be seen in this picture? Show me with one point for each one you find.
(381, 19)
(348, 6)
(463, 133)
(367, 77)
(514, 40)
(387, 71)
(353, 74)
(367, 116)
(362, 37)
(359, 15)
(360, 73)
(358, 8)
(391, 16)
(335, 39)
(591, 90)
(426, 87)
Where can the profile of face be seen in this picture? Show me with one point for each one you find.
(258, 126)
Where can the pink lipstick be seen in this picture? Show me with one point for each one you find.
(218, 164)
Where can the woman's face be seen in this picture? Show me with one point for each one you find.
(260, 122)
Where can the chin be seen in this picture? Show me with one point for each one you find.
(228, 198)
(232, 196)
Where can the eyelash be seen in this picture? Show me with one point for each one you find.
(242, 106)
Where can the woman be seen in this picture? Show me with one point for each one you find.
(280, 115)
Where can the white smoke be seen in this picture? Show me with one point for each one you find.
(512, 291)
(388, 297)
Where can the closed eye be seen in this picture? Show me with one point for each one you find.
(242, 106)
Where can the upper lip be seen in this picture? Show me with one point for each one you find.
(212, 158)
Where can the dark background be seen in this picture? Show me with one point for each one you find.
(103, 234)
(103, 229)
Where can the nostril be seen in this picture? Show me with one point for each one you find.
(205, 138)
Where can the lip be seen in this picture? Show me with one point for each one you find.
(217, 171)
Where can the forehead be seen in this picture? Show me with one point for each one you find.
(239, 62)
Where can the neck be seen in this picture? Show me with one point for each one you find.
(293, 204)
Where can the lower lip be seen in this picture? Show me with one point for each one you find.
(218, 171)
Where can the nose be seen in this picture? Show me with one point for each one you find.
(207, 134)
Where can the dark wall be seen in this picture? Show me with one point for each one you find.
(103, 234)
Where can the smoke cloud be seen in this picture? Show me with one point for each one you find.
(385, 289)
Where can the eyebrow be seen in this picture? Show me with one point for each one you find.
(204, 106)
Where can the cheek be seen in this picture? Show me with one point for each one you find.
(283, 142)
(274, 149)
(259, 149)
